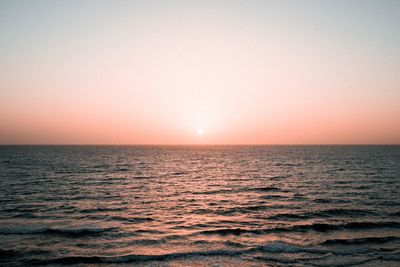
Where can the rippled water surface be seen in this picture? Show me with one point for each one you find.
(200, 205)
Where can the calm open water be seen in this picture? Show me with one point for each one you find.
(200, 205)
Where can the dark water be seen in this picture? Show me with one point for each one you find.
(180, 206)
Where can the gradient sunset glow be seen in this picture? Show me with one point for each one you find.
(199, 72)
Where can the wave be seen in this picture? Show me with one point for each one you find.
(246, 209)
(288, 164)
(69, 232)
(275, 247)
(9, 253)
(324, 227)
(278, 177)
(341, 212)
(288, 216)
(322, 214)
(94, 210)
(215, 192)
(131, 258)
(142, 177)
(121, 169)
(266, 189)
(359, 241)
(395, 214)
(178, 173)
(272, 247)
(78, 232)
(318, 227)
(231, 231)
(235, 190)
(130, 219)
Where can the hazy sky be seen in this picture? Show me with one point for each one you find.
(156, 72)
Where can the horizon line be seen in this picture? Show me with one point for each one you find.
(191, 144)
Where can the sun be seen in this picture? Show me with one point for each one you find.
(200, 132)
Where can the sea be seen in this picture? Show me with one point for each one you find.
(200, 205)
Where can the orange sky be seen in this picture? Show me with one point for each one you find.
(282, 72)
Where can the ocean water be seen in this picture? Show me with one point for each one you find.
(200, 205)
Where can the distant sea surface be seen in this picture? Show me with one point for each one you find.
(200, 205)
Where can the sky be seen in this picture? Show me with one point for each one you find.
(200, 72)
